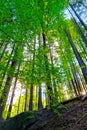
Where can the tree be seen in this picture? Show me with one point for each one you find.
(12, 97)
(84, 25)
(78, 57)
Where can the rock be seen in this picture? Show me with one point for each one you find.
(17, 122)
(28, 123)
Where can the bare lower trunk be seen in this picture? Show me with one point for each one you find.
(31, 98)
(4, 96)
(12, 97)
(40, 99)
(48, 78)
(26, 96)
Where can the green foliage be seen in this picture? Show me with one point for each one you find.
(23, 23)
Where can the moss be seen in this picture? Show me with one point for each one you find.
(28, 122)
(18, 122)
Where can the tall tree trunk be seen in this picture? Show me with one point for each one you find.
(39, 92)
(12, 97)
(48, 77)
(4, 74)
(75, 73)
(4, 96)
(31, 86)
(79, 29)
(10, 75)
(31, 98)
(26, 97)
(78, 57)
(77, 84)
(40, 106)
(74, 86)
(53, 79)
(84, 25)
(19, 102)
(3, 51)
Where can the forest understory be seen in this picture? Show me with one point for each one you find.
(73, 116)
(43, 65)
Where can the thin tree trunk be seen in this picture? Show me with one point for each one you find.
(26, 96)
(48, 78)
(31, 87)
(19, 102)
(84, 25)
(40, 106)
(3, 51)
(6, 89)
(77, 84)
(74, 85)
(9, 60)
(79, 30)
(77, 79)
(53, 79)
(78, 57)
(31, 98)
(12, 97)
(70, 89)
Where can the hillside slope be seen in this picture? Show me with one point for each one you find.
(73, 117)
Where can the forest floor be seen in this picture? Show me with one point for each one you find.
(73, 118)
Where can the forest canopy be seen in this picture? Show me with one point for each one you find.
(43, 54)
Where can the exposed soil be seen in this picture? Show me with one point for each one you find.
(73, 118)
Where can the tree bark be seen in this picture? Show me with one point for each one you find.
(26, 96)
(10, 75)
(53, 79)
(78, 57)
(3, 51)
(31, 86)
(40, 106)
(48, 78)
(84, 25)
(79, 30)
(9, 60)
(31, 98)
(19, 102)
(12, 97)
